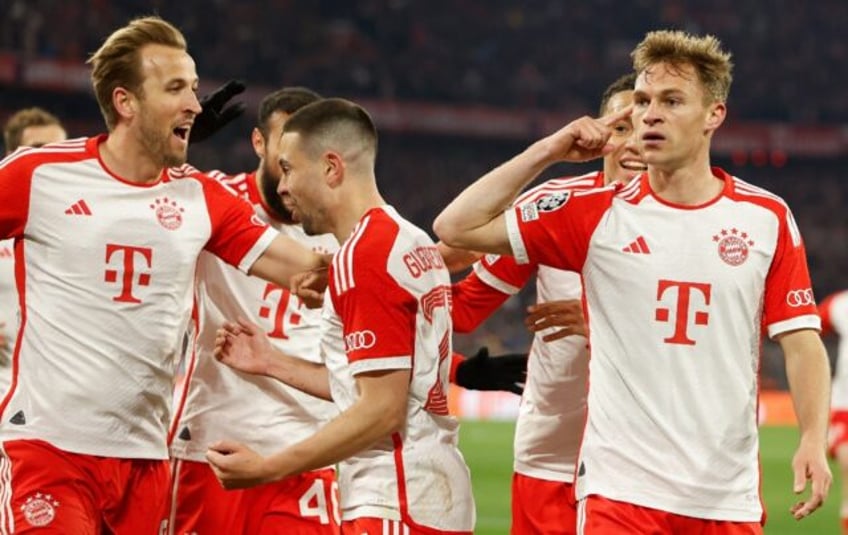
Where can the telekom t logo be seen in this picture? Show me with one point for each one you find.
(681, 313)
(126, 255)
(277, 328)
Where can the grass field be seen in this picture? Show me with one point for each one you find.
(487, 447)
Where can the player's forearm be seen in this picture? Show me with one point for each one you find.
(808, 372)
(354, 430)
(488, 197)
(284, 258)
(457, 259)
(309, 377)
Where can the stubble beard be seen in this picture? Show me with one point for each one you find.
(158, 147)
(268, 184)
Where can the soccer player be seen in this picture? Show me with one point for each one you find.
(681, 268)
(386, 344)
(834, 314)
(552, 411)
(220, 403)
(32, 127)
(107, 234)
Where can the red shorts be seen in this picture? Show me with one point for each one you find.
(542, 506)
(837, 433)
(54, 491)
(599, 516)
(298, 505)
(381, 526)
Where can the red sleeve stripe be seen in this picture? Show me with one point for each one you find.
(343, 279)
(558, 184)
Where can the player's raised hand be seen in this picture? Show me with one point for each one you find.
(216, 112)
(810, 464)
(585, 138)
(567, 314)
(236, 466)
(243, 346)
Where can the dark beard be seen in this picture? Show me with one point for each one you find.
(272, 199)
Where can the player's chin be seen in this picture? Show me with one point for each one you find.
(176, 157)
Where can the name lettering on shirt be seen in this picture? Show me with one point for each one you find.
(423, 259)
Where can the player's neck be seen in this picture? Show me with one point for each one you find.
(690, 185)
(127, 159)
(354, 205)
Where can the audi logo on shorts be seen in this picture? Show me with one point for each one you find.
(359, 340)
(800, 298)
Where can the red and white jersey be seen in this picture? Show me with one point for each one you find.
(388, 308)
(834, 315)
(220, 403)
(106, 276)
(676, 297)
(8, 312)
(553, 407)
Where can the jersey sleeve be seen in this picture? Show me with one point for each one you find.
(378, 315)
(473, 302)
(789, 302)
(15, 186)
(555, 230)
(239, 236)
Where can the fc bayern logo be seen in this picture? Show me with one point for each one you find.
(733, 246)
(168, 212)
(40, 510)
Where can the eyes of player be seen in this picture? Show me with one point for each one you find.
(622, 128)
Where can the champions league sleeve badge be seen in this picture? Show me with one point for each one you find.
(552, 202)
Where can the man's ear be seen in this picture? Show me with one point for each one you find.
(334, 169)
(258, 142)
(124, 102)
(715, 116)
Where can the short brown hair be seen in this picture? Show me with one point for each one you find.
(23, 119)
(117, 62)
(287, 100)
(623, 83)
(334, 121)
(677, 48)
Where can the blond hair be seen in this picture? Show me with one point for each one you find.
(678, 49)
(117, 62)
(14, 129)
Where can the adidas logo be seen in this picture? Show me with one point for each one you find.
(78, 208)
(640, 246)
(185, 434)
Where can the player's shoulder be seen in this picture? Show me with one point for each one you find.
(233, 184)
(380, 233)
(746, 192)
(559, 185)
(69, 150)
(376, 233)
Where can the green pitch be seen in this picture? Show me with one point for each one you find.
(487, 447)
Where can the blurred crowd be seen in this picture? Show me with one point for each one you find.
(789, 55)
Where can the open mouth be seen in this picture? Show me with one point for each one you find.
(633, 165)
(182, 132)
(652, 137)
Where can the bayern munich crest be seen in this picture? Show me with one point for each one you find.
(733, 246)
(168, 212)
(40, 509)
